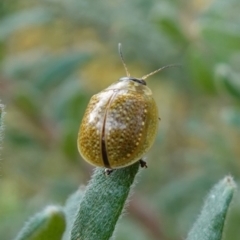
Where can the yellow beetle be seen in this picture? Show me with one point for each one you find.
(120, 123)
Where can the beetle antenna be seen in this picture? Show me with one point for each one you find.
(160, 69)
(121, 55)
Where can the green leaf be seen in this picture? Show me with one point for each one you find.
(71, 209)
(209, 225)
(102, 203)
(45, 225)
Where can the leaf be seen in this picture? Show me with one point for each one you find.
(45, 225)
(209, 225)
(102, 203)
(71, 209)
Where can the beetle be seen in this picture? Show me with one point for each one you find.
(120, 123)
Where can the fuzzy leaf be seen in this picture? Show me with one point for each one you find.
(71, 209)
(45, 225)
(102, 203)
(209, 225)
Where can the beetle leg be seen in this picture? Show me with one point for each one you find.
(108, 171)
(143, 164)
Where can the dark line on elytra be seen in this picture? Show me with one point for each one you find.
(104, 154)
(103, 140)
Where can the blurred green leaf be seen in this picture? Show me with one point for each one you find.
(173, 30)
(200, 66)
(228, 80)
(23, 19)
(21, 138)
(69, 100)
(167, 17)
(56, 70)
(46, 225)
(21, 65)
(29, 103)
(220, 27)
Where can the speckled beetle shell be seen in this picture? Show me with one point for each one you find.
(119, 125)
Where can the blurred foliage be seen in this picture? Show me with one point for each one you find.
(55, 54)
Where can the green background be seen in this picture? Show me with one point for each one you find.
(55, 54)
